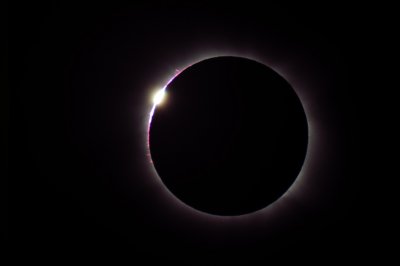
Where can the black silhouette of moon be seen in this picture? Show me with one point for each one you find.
(230, 137)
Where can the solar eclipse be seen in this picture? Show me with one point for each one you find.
(233, 137)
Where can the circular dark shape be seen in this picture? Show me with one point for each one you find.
(230, 137)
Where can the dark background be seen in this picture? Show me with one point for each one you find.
(80, 76)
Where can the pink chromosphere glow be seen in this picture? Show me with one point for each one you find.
(177, 72)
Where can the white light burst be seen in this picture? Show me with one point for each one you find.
(159, 96)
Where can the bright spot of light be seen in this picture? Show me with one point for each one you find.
(159, 96)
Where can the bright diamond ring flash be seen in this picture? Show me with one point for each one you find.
(158, 96)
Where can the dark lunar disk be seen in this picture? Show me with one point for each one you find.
(230, 137)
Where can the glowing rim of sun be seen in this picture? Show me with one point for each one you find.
(159, 97)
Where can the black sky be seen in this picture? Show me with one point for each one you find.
(82, 76)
